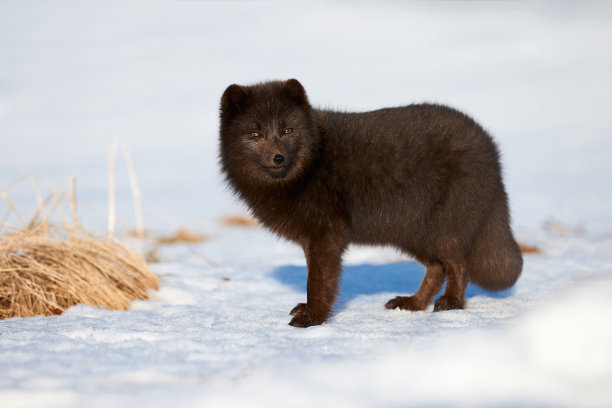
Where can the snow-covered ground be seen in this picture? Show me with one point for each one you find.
(216, 334)
(76, 75)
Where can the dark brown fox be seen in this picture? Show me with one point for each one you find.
(423, 178)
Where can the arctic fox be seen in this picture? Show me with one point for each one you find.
(423, 178)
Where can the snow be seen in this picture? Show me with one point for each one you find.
(538, 75)
(207, 341)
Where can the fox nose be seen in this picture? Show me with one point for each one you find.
(279, 159)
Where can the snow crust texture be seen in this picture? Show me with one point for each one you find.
(218, 336)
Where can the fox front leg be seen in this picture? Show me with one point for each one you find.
(324, 260)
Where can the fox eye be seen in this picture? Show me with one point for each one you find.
(288, 131)
(255, 134)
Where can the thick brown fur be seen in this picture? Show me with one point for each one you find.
(423, 178)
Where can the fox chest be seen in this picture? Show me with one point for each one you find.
(300, 217)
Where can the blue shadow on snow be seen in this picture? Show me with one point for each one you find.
(398, 279)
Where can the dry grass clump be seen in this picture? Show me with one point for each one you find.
(44, 271)
(44, 274)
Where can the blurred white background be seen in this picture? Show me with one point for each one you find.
(76, 75)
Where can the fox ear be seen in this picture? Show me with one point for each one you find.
(295, 91)
(233, 100)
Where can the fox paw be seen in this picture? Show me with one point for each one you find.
(405, 303)
(305, 319)
(448, 303)
(300, 308)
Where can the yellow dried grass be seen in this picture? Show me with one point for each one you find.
(238, 221)
(528, 249)
(182, 236)
(44, 271)
(44, 274)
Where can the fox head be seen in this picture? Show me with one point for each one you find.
(267, 134)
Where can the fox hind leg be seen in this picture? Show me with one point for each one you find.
(456, 283)
(432, 283)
